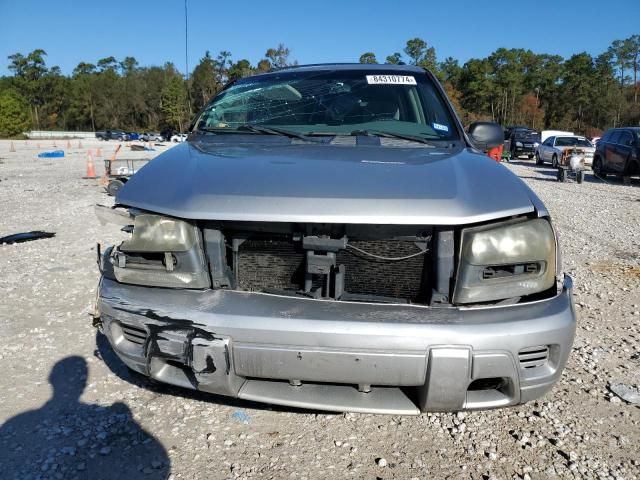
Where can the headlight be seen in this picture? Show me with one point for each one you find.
(162, 252)
(518, 144)
(536, 144)
(504, 261)
(154, 233)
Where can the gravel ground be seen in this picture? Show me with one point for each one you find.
(70, 409)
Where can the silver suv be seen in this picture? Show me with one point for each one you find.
(330, 238)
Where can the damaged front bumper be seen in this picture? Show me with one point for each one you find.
(340, 356)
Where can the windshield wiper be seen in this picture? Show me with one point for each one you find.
(259, 130)
(276, 131)
(401, 136)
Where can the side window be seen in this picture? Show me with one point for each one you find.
(625, 138)
(549, 141)
(614, 137)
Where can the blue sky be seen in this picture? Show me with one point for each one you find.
(320, 31)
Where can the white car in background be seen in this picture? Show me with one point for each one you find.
(550, 151)
(179, 137)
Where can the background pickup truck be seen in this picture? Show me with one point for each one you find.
(113, 135)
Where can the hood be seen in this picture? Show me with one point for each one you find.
(307, 182)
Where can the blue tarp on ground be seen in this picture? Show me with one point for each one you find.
(54, 154)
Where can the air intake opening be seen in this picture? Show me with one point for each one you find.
(133, 334)
(493, 383)
(533, 357)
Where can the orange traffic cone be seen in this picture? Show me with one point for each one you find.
(12, 148)
(99, 152)
(91, 171)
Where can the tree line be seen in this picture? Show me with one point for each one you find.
(583, 93)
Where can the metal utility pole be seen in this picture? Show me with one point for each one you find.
(186, 55)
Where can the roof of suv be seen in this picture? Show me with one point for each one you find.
(635, 129)
(351, 66)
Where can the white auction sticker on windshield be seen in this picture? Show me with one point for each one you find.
(391, 80)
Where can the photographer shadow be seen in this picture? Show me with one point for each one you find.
(66, 438)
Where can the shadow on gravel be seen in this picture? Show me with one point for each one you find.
(107, 355)
(66, 438)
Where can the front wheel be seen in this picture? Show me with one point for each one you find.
(598, 171)
(554, 161)
(538, 159)
(530, 156)
(114, 187)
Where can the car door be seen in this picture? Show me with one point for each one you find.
(623, 151)
(546, 148)
(609, 151)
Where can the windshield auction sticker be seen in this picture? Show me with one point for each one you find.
(391, 80)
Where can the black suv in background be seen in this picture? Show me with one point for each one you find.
(521, 141)
(618, 152)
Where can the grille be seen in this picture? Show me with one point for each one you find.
(269, 264)
(134, 334)
(370, 276)
(533, 357)
(278, 264)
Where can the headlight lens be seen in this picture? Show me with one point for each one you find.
(154, 233)
(518, 144)
(536, 144)
(505, 261)
(162, 252)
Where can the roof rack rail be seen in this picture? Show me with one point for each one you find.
(289, 67)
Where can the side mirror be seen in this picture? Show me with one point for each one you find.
(486, 135)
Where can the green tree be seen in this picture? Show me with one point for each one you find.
(394, 58)
(240, 69)
(279, 57)
(28, 73)
(450, 70)
(477, 88)
(368, 57)
(204, 83)
(14, 114)
(174, 103)
(421, 54)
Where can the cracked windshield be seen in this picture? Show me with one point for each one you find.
(335, 103)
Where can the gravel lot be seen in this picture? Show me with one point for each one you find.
(104, 422)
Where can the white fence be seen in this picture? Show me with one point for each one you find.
(59, 134)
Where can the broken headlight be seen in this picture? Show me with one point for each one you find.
(498, 262)
(162, 252)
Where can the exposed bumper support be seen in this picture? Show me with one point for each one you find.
(415, 358)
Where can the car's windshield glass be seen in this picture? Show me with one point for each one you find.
(332, 102)
(526, 134)
(572, 142)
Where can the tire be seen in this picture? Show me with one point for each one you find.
(554, 161)
(597, 168)
(538, 159)
(114, 187)
(580, 176)
(530, 156)
(561, 175)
